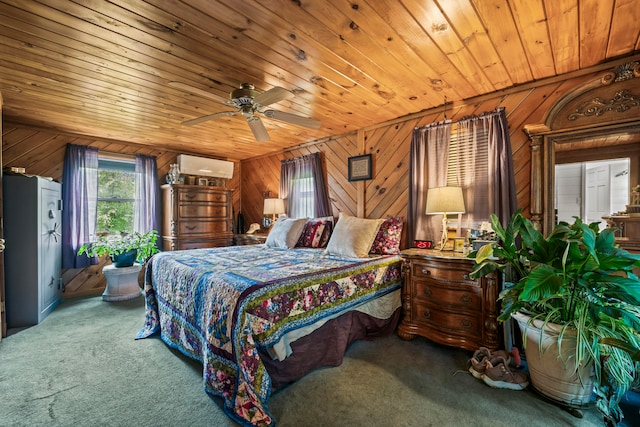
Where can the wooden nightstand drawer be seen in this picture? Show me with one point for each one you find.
(454, 322)
(249, 239)
(468, 297)
(431, 270)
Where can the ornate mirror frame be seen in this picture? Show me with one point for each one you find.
(603, 108)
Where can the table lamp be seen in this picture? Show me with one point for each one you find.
(444, 200)
(273, 207)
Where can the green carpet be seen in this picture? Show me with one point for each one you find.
(82, 367)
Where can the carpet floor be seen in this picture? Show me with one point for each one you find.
(82, 367)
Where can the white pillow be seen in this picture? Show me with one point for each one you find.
(353, 237)
(285, 232)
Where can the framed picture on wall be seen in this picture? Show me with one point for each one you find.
(360, 167)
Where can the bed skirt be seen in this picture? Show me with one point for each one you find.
(326, 346)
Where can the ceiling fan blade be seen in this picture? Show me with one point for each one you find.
(200, 92)
(258, 129)
(272, 96)
(293, 119)
(209, 117)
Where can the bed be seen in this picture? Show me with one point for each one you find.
(262, 316)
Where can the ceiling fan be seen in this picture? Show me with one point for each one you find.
(248, 101)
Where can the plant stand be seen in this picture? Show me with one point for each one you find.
(122, 283)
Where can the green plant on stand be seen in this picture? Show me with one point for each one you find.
(123, 250)
(579, 280)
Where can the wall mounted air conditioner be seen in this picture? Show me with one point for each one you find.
(201, 166)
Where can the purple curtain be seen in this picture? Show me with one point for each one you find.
(302, 183)
(427, 168)
(146, 214)
(502, 180)
(79, 203)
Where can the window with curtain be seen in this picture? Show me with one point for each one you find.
(303, 187)
(474, 153)
(105, 195)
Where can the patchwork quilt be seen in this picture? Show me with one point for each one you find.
(221, 305)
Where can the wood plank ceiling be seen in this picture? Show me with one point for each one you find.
(105, 68)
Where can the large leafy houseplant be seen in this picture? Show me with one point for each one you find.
(578, 278)
(138, 246)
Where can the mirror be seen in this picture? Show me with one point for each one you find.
(597, 121)
(591, 190)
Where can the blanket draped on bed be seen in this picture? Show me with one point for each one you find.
(221, 306)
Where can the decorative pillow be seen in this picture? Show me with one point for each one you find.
(328, 230)
(387, 241)
(352, 236)
(316, 233)
(285, 232)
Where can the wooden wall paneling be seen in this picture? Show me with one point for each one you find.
(361, 186)
(343, 194)
(387, 191)
(384, 195)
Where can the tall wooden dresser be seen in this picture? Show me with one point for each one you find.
(196, 216)
(442, 303)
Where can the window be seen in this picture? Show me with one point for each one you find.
(303, 187)
(468, 167)
(116, 196)
(302, 199)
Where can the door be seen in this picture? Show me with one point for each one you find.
(597, 194)
(50, 245)
(568, 192)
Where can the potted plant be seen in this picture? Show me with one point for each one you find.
(123, 250)
(573, 293)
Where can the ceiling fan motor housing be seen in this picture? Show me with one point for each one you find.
(243, 98)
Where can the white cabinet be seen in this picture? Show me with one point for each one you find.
(33, 255)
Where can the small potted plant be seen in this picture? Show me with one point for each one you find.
(573, 293)
(123, 250)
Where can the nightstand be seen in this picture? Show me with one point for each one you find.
(249, 239)
(442, 303)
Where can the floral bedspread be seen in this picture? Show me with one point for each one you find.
(221, 305)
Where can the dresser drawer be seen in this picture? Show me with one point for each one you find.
(201, 195)
(459, 296)
(202, 227)
(461, 324)
(194, 210)
(429, 270)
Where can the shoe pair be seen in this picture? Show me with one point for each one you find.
(493, 369)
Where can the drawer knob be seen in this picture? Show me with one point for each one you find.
(426, 314)
(427, 291)
(425, 271)
(466, 323)
(190, 196)
(465, 299)
(465, 277)
(190, 227)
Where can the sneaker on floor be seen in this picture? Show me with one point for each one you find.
(477, 363)
(498, 375)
